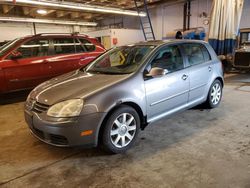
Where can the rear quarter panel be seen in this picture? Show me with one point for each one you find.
(216, 68)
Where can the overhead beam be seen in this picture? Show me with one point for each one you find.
(60, 14)
(7, 8)
(26, 11)
(74, 15)
(46, 21)
(76, 6)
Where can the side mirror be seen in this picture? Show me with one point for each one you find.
(16, 55)
(157, 72)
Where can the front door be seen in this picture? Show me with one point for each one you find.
(28, 70)
(167, 93)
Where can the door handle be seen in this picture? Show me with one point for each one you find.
(209, 68)
(184, 77)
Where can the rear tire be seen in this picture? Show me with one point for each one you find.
(121, 130)
(214, 94)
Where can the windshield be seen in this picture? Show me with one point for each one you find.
(121, 60)
(7, 46)
(245, 38)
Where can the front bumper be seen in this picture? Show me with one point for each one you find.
(67, 132)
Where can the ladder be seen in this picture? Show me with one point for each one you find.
(146, 24)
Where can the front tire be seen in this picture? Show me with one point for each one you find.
(214, 95)
(121, 129)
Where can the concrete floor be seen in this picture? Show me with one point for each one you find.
(196, 148)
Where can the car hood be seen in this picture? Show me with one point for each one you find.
(77, 84)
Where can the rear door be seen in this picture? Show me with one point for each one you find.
(64, 57)
(200, 70)
(27, 71)
(70, 53)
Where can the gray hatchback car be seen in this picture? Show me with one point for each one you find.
(122, 91)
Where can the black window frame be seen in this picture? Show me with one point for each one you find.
(86, 50)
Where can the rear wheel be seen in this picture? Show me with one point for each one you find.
(214, 95)
(121, 129)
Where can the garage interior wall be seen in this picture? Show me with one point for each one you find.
(165, 19)
(123, 36)
(13, 30)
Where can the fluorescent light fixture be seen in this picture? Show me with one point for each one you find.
(42, 11)
(78, 6)
(46, 21)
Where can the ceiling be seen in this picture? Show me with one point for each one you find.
(10, 9)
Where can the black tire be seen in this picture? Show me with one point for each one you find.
(108, 141)
(210, 103)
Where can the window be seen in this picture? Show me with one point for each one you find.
(169, 58)
(34, 48)
(79, 47)
(196, 53)
(121, 60)
(64, 45)
(87, 45)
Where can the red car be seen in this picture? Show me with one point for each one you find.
(28, 61)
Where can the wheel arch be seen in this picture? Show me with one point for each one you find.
(221, 80)
(135, 106)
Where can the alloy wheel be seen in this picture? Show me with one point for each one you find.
(123, 130)
(216, 94)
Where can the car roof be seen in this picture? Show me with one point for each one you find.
(57, 35)
(171, 41)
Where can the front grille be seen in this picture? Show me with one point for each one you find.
(242, 59)
(39, 107)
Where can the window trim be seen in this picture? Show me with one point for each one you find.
(28, 40)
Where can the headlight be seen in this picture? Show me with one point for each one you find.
(69, 108)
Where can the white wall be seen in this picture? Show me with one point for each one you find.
(124, 36)
(11, 30)
(127, 36)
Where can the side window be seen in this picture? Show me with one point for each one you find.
(79, 46)
(169, 58)
(206, 54)
(87, 45)
(34, 48)
(64, 45)
(196, 53)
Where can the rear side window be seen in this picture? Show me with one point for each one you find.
(79, 46)
(64, 46)
(87, 45)
(196, 53)
(34, 48)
